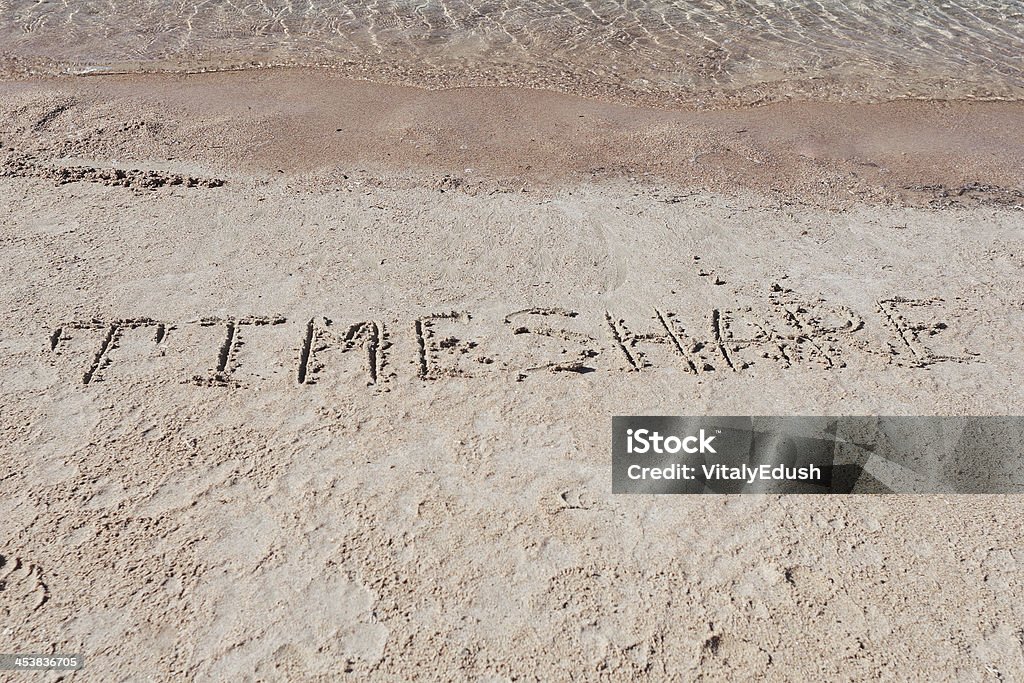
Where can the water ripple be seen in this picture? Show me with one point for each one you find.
(688, 51)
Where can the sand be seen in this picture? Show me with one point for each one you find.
(306, 377)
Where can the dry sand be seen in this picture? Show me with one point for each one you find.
(304, 376)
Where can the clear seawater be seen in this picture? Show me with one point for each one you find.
(686, 51)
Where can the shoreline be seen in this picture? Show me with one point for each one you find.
(301, 124)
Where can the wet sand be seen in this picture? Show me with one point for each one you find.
(312, 125)
(306, 377)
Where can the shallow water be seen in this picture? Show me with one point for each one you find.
(688, 51)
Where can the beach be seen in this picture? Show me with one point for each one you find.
(309, 377)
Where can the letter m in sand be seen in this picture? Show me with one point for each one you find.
(329, 350)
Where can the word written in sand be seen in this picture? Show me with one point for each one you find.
(235, 351)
